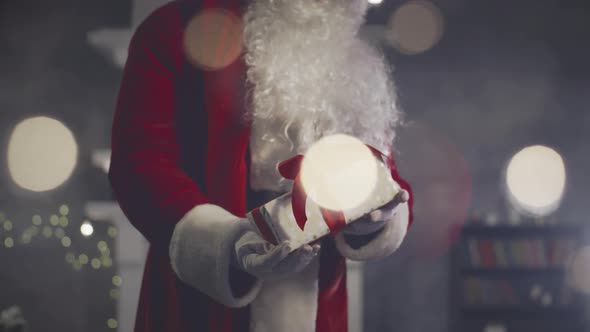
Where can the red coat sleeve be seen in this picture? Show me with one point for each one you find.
(145, 172)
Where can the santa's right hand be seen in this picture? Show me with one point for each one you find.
(264, 260)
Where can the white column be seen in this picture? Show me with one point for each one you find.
(354, 285)
(130, 254)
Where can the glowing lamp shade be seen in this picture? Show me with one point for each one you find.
(339, 172)
(86, 229)
(42, 154)
(535, 178)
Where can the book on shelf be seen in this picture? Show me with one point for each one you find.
(526, 293)
(518, 253)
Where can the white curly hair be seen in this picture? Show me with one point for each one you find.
(311, 75)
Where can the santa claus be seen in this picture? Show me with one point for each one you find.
(191, 147)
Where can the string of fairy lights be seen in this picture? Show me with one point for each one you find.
(57, 227)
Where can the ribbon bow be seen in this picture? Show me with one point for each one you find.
(291, 169)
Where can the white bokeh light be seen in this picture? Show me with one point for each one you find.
(535, 179)
(375, 2)
(86, 229)
(339, 172)
(42, 154)
(415, 27)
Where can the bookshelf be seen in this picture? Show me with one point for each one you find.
(514, 277)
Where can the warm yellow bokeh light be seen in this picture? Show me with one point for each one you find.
(112, 323)
(415, 27)
(47, 232)
(95, 263)
(63, 221)
(112, 232)
(37, 220)
(339, 172)
(66, 241)
(8, 242)
(8, 225)
(213, 39)
(102, 246)
(117, 281)
(42, 154)
(535, 178)
(64, 210)
(54, 220)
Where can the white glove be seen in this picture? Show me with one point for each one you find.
(264, 260)
(377, 219)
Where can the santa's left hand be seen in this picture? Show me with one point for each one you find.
(375, 220)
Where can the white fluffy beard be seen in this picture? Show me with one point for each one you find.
(310, 75)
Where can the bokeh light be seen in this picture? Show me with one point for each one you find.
(37, 220)
(213, 39)
(8, 242)
(26, 238)
(77, 265)
(63, 221)
(375, 2)
(42, 154)
(415, 27)
(106, 261)
(535, 180)
(339, 172)
(86, 228)
(117, 281)
(7, 225)
(66, 241)
(95, 263)
(54, 220)
(47, 232)
(112, 231)
(112, 323)
(64, 210)
(101, 245)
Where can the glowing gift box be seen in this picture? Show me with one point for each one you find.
(338, 181)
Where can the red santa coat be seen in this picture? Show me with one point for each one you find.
(178, 142)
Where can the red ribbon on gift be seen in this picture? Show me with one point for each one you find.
(291, 169)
